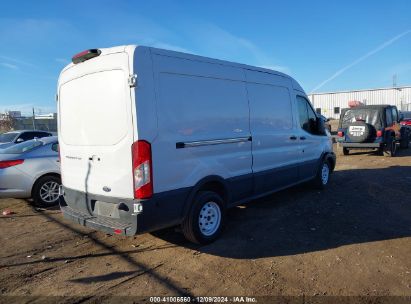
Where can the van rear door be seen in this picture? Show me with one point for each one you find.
(96, 125)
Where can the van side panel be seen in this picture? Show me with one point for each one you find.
(275, 154)
(200, 102)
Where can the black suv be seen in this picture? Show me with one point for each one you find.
(375, 127)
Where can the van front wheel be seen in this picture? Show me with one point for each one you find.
(206, 218)
(323, 175)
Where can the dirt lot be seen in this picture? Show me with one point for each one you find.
(352, 239)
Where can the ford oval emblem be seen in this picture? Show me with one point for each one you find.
(107, 189)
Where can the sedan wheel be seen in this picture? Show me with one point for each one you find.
(49, 192)
(46, 191)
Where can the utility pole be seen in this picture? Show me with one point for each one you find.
(34, 124)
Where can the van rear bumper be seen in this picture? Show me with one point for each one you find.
(161, 211)
(99, 223)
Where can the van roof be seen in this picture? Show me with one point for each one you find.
(223, 62)
(164, 52)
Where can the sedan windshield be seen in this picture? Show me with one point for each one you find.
(7, 137)
(23, 147)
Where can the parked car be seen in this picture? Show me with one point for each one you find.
(31, 169)
(182, 142)
(406, 118)
(374, 127)
(14, 137)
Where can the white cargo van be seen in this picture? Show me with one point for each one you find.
(152, 138)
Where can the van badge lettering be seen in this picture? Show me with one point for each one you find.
(106, 189)
(73, 157)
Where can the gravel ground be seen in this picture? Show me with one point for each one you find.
(352, 239)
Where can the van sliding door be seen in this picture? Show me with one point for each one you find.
(275, 154)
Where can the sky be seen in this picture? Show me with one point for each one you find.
(325, 45)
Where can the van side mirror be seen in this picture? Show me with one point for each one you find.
(401, 117)
(19, 140)
(320, 126)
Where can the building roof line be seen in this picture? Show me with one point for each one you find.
(363, 90)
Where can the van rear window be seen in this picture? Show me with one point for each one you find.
(369, 116)
(93, 109)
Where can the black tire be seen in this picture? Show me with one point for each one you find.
(405, 142)
(345, 151)
(320, 181)
(191, 224)
(391, 149)
(39, 189)
(342, 150)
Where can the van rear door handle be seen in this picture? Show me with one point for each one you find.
(293, 137)
(302, 138)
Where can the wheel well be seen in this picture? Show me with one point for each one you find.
(330, 160)
(38, 178)
(217, 187)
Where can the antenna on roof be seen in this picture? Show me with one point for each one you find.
(394, 80)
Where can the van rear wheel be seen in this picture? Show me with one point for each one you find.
(206, 218)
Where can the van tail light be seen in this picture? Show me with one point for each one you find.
(340, 134)
(10, 163)
(379, 133)
(85, 55)
(142, 169)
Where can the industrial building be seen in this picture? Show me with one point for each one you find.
(330, 104)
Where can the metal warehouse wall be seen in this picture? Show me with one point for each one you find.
(399, 96)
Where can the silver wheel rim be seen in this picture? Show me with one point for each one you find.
(209, 218)
(49, 192)
(325, 174)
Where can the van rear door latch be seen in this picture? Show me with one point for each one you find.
(132, 81)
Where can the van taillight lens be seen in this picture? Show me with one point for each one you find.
(340, 133)
(142, 169)
(10, 163)
(85, 55)
(379, 133)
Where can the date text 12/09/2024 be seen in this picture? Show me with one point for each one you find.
(172, 299)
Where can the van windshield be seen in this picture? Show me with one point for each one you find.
(93, 109)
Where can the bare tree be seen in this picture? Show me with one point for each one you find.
(6, 124)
